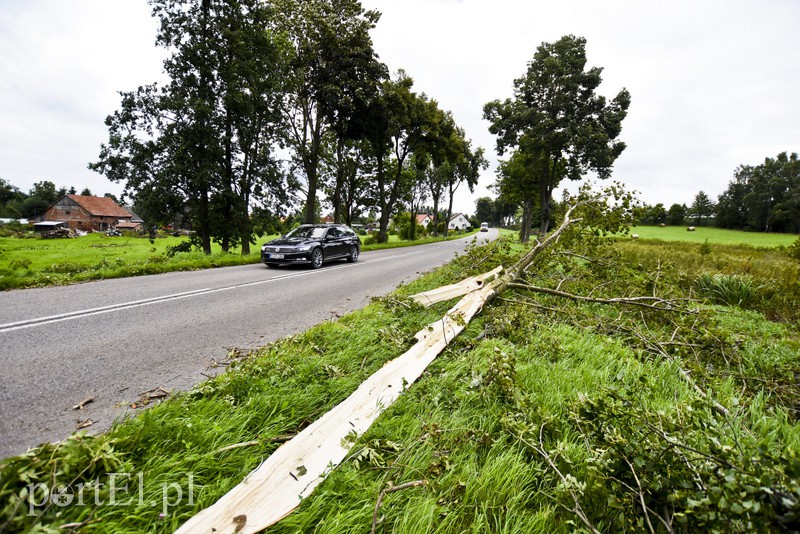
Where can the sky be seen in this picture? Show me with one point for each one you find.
(714, 84)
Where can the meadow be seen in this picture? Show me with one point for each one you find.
(719, 236)
(548, 414)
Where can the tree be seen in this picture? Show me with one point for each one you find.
(334, 76)
(484, 210)
(653, 215)
(400, 121)
(702, 208)
(86, 192)
(676, 214)
(465, 169)
(45, 191)
(763, 197)
(556, 120)
(200, 144)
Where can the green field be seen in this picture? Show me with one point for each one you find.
(719, 236)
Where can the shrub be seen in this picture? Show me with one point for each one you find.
(371, 239)
(794, 250)
(730, 290)
(21, 263)
(66, 267)
(185, 246)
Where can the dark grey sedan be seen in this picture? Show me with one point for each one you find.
(312, 244)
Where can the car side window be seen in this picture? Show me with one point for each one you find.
(333, 233)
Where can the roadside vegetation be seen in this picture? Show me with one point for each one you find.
(550, 413)
(36, 262)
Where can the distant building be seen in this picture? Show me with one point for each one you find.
(86, 213)
(458, 221)
(424, 219)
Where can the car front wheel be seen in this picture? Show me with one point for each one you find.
(353, 256)
(316, 259)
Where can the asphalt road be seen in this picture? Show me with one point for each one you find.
(116, 339)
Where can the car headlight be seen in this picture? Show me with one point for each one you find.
(302, 248)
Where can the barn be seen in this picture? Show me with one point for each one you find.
(86, 213)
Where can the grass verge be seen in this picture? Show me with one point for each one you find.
(545, 415)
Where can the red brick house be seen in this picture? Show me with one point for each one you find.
(87, 213)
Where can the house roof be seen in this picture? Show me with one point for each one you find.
(101, 206)
(457, 215)
(422, 216)
(128, 224)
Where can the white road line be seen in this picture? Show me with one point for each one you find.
(42, 321)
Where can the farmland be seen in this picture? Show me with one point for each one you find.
(546, 415)
(719, 236)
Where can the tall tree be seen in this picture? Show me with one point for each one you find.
(702, 208)
(400, 121)
(195, 145)
(465, 169)
(676, 214)
(556, 117)
(335, 73)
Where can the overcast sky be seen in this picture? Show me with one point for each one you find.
(714, 84)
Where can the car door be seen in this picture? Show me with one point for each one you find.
(332, 244)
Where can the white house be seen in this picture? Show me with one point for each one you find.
(458, 222)
(424, 219)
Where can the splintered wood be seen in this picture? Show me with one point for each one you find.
(441, 294)
(292, 472)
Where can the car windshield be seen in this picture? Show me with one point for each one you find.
(313, 232)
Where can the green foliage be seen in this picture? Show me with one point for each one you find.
(27, 479)
(688, 467)
(171, 250)
(763, 198)
(794, 250)
(730, 290)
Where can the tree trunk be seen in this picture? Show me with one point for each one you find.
(545, 194)
(337, 189)
(435, 221)
(527, 219)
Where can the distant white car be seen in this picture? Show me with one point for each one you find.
(484, 227)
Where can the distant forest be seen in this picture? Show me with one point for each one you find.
(760, 198)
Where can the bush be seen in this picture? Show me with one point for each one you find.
(185, 246)
(794, 250)
(371, 239)
(730, 290)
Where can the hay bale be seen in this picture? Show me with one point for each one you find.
(690, 229)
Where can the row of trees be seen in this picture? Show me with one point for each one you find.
(17, 204)
(762, 198)
(274, 105)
